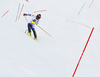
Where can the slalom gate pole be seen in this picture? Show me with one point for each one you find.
(38, 11)
(83, 52)
(27, 0)
(4, 13)
(44, 31)
(17, 12)
(81, 9)
(91, 4)
(21, 11)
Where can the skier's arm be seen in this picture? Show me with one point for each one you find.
(27, 14)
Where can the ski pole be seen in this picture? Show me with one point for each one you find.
(26, 19)
(44, 31)
(39, 27)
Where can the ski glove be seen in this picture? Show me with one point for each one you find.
(24, 14)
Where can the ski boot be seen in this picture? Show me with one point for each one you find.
(35, 39)
(29, 33)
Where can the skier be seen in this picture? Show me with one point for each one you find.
(34, 21)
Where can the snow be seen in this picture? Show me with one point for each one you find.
(55, 56)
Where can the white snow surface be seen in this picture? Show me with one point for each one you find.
(55, 56)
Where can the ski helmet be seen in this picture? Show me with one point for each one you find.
(38, 16)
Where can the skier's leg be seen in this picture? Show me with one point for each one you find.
(35, 36)
(34, 32)
(29, 29)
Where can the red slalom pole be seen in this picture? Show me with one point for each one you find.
(5, 14)
(83, 52)
(91, 4)
(38, 11)
(44, 31)
(27, 0)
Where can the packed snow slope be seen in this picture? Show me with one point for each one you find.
(55, 56)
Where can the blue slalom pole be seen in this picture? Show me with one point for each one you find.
(81, 9)
(17, 12)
